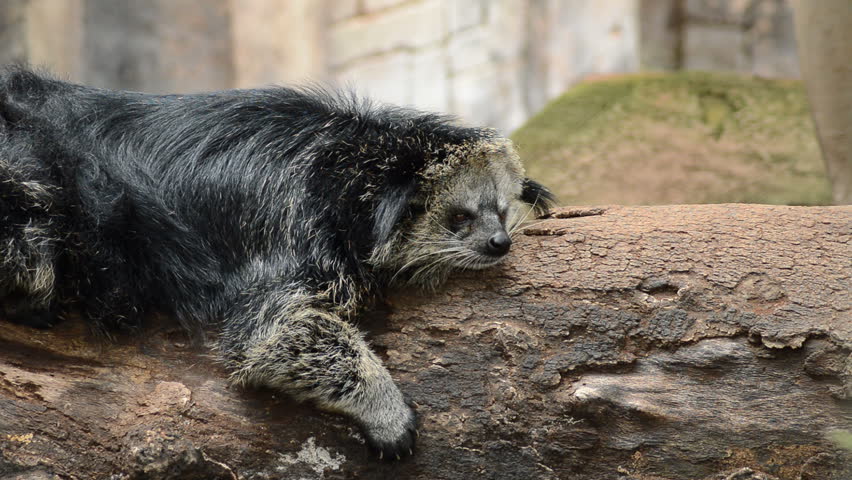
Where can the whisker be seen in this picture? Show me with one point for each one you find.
(520, 222)
(434, 265)
(427, 242)
(450, 250)
(535, 224)
(517, 225)
(442, 227)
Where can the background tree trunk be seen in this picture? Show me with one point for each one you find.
(679, 342)
(824, 34)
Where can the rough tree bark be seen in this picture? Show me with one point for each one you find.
(681, 342)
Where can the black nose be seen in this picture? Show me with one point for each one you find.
(499, 244)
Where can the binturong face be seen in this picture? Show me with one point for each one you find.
(474, 220)
(465, 221)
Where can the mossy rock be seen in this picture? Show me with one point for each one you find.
(688, 137)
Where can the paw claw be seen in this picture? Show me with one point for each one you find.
(398, 446)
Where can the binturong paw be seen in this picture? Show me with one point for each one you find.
(391, 432)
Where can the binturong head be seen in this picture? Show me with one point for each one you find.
(461, 214)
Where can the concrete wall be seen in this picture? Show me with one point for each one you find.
(493, 62)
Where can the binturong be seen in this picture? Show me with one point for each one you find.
(275, 217)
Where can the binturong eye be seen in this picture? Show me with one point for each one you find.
(460, 218)
(502, 215)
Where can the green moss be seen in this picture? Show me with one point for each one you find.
(688, 137)
(843, 439)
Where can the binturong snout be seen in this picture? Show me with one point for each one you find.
(498, 244)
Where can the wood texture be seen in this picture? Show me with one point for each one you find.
(666, 343)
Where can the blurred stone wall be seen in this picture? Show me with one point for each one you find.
(749, 36)
(493, 62)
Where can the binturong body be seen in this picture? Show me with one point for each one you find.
(275, 216)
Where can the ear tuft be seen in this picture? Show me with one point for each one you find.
(392, 205)
(538, 196)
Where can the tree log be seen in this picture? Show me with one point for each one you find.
(677, 342)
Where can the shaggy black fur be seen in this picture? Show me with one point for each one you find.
(254, 210)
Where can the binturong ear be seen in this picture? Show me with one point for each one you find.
(538, 196)
(9, 112)
(393, 204)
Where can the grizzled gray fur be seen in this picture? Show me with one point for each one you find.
(276, 216)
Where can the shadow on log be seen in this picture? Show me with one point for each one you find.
(680, 342)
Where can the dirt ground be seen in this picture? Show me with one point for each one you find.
(677, 138)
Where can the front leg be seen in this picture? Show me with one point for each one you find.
(295, 343)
